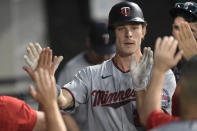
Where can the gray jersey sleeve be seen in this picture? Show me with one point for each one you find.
(168, 91)
(65, 76)
(79, 87)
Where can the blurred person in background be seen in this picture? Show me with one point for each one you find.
(98, 50)
(182, 12)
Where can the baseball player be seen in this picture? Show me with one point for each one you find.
(98, 50)
(107, 88)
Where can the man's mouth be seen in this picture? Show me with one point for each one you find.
(129, 43)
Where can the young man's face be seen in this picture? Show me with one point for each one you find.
(128, 38)
(176, 25)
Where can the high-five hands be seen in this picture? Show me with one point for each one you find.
(45, 61)
(165, 56)
(45, 92)
(33, 53)
(141, 71)
(186, 40)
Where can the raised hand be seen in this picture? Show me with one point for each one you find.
(45, 61)
(33, 53)
(164, 56)
(141, 71)
(186, 40)
(32, 56)
(45, 92)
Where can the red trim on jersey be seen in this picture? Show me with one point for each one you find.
(158, 118)
(71, 95)
(118, 67)
(16, 115)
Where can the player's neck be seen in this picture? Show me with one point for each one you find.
(123, 63)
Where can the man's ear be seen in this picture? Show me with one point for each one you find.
(143, 31)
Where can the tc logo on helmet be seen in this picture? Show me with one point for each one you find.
(125, 11)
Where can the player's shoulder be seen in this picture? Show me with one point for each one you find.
(101, 67)
(179, 125)
(97, 69)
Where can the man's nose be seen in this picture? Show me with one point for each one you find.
(129, 33)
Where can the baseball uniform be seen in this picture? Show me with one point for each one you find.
(110, 97)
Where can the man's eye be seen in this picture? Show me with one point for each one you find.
(176, 27)
(121, 29)
(134, 28)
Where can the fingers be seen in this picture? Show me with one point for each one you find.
(41, 58)
(148, 50)
(29, 53)
(133, 62)
(46, 56)
(28, 61)
(158, 44)
(173, 47)
(183, 32)
(167, 43)
(33, 92)
(49, 62)
(59, 60)
(33, 49)
(150, 60)
(29, 72)
(38, 47)
(53, 66)
(165, 53)
(188, 30)
(178, 57)
(144, 55)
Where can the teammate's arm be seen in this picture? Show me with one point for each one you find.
(164, 59)
(46, 95)
(140, 73)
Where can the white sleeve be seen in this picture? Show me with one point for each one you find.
(79, 88)
(168, 90)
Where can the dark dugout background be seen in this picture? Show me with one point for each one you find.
(68, 23)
